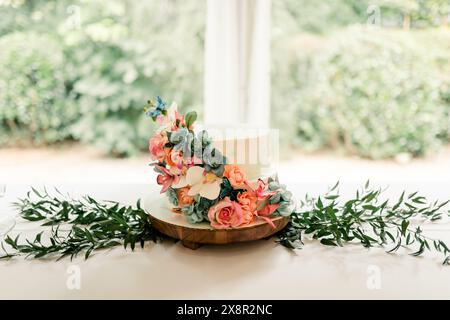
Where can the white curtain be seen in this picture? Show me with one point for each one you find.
(237, 63)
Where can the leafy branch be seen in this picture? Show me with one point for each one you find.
(366, 220)
(92, 226)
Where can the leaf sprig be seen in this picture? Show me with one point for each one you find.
(368, 221)
(92, 226)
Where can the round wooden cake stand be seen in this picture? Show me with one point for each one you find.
(194, 235)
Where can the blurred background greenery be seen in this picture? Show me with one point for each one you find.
(371, 78)
(83, 70)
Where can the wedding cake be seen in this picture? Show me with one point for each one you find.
(224, 176)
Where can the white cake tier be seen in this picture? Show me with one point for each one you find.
(254, 150)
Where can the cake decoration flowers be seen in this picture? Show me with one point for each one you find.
(157, 108)
(203, 183)
(235, 175)
(225, 214)
(183, 196)
(247, 201)
(199, 181)
(166, 179)
(156, 146)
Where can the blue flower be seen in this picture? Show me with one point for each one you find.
(156, 108)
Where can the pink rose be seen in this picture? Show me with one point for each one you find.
(156, 146)
(225, 214)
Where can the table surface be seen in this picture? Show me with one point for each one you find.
(257, 270)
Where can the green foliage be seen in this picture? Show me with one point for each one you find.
(97, 72)
(71, 226)
(172, 196)
(190, 118)
(374, 92)
(33, 104)
(296, 16)
(106, 64)
(75, 226)
(320, 17)
(122, 58)
(227, 190)
(367, 219)
(198, 211)
(283, 198)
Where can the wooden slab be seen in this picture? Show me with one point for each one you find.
(193, 235)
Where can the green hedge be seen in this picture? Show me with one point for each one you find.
(374, 92)
(116, 66)
(33, 100)
(91, 81)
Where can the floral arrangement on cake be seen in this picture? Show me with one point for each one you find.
(200, 183)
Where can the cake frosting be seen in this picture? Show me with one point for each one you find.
(254, 150)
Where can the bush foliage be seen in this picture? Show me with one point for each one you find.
(33, 98)
(76, 69)
(106, 60)
(374, 92)
(134, 53)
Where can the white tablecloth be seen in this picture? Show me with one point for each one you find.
(258, 270)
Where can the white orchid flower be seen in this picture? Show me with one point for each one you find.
(182, 182)
(205, 184)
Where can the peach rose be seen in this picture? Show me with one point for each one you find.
(225, 214)
(174, 158)
(235, 175)
(156, 146)
(183, 197)
(247, 200)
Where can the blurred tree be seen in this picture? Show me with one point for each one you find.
(127, 52)
(33, 100)
(294, 16)
(371, 91)
(438, 11)
(118, 54)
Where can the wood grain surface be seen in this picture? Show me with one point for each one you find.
(193, 237)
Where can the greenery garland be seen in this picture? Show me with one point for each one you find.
(367, 220)
(92, 225)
